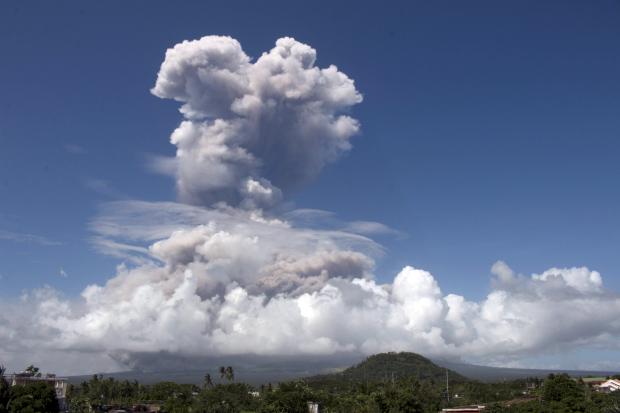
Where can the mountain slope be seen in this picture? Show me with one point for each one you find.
(385, 367)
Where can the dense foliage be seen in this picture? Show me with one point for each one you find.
(561, 393)
(33, 398)
(558, 393)
(100, 393)
(37, 397)
(5, 392)
(359, 390)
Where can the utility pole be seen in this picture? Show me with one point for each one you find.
(447, 387)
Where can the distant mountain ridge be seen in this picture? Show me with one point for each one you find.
(374, 368)
(491, 374)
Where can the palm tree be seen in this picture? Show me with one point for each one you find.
(34, 371)
(230, 374)
(208, 381)
(227, 373)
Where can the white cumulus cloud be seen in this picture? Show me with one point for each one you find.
(220, 294)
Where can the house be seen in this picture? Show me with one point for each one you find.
(608, 386)
(59, 384)
(464, 409)
(594, 381)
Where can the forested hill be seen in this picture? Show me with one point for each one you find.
(385, 367)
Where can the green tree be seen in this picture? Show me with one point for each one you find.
(560, 388)
(230, 374)
(34, 371)
(226, 398)
(288, 397)
(33, 398)
(5, 391)
(208, 382)
(227, 373)
(403, 397)
(79, 404)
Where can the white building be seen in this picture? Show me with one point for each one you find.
(608, 386)
(313, 407)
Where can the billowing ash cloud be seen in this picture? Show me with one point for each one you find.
(228, 277)
(241, 284)
(253, 129)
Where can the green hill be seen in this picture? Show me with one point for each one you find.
(383, 368)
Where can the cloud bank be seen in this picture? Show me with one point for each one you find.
(243, 284)
(223, 273)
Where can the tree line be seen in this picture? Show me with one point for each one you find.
(556, 393)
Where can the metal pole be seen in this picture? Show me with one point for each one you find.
(447, 387)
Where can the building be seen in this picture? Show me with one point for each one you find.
(464, 409)
(313, 407)
(594, 381)
(608, 386)
(59, 384)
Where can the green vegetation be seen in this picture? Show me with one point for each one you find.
(561, 393)
(37, 397)
(558, 393)
(383, 368)
(5, 391)
(384, 383)
(33, 398)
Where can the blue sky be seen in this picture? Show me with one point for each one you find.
(489, 129)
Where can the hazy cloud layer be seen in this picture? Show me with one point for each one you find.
(27, 238)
